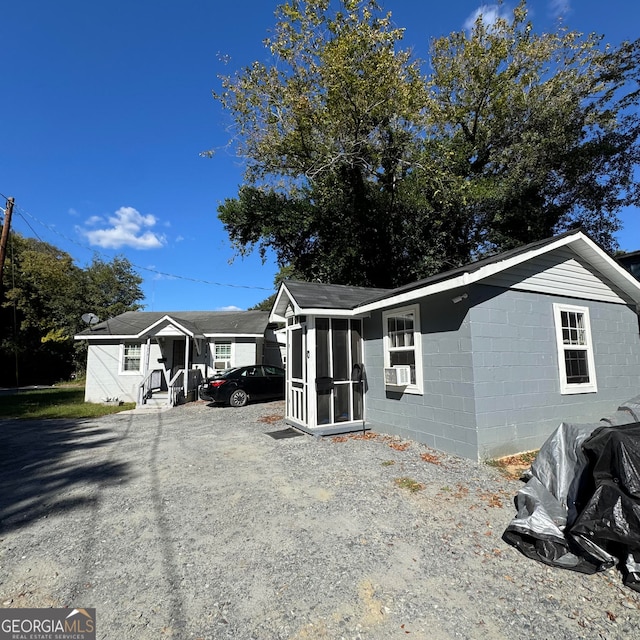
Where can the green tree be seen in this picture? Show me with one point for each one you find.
(44, 298)
(360, 170)
(328, 132)
(532, 131)
(111, 288)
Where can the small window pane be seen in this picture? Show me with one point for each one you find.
(357, 402)
(223, 350)
(341, 368)
(356, 342)
(573, 329)
(296, 354)
(324, 407)
(322, 347)
(132, 353)
(341, 406)
(576, 366)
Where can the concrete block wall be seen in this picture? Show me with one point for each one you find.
(491, 372)
(443, 417)
(516, 369)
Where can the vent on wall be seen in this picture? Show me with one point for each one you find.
(397, 376)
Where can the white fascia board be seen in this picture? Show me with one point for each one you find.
(173, 321)
(415, 294)
(329, 312)
(280, 306)
(144, 332)
(234, 335)
(124, 336)
(591, 252)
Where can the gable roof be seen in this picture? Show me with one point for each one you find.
(136, 324)
(317, 295)
(468, 274)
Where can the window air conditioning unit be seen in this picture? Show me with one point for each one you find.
(397, 376)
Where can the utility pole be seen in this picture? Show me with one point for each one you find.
(5, 236)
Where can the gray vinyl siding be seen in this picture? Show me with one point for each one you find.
(560, 273)
(491, 373)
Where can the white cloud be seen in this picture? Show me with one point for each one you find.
(490, 13)
(94, 220)
(229, 308)
(559, 8)
(127, 228)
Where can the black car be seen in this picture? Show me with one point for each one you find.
(239, 385)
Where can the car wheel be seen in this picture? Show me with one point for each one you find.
(238, 398)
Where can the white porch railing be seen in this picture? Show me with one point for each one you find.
(177, 390)
(153, 380)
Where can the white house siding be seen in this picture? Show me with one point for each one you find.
(103, 377)
(246, 352)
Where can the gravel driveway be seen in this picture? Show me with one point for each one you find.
(194, 523)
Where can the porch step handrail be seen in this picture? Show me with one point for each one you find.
(176, 384)
(153, 380)
(175, 387)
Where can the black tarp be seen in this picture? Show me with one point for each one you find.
(580, 506)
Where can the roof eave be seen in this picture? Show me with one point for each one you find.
(581, 243)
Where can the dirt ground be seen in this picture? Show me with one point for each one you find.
(206, 522)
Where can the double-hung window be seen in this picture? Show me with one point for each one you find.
(222, 356)
(402, 343)
(131, 357)
(575, 349)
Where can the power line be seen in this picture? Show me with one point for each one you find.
(22, 213)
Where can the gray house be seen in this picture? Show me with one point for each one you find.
(481, 361)
(157, 357)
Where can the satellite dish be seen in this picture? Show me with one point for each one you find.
(90, 318)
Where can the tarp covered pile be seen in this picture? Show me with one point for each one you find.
(580, 506)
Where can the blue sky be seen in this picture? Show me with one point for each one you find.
(107, 106)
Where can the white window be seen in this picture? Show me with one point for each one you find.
(131, 359)
(575, 349)
(222, 356)
(403, 343)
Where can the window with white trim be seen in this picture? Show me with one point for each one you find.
(131, 357)
(402, 343)
(222, 356)
(575, 349)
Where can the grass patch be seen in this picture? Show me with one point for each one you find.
(57, 402)
(388, 463)
(409, 484)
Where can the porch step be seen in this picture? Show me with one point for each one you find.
(156, 400)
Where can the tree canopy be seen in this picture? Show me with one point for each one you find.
(361, 169)
(45, 295)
